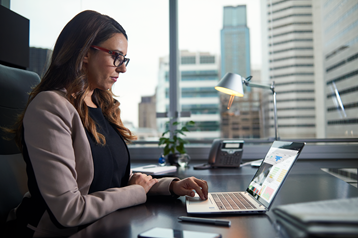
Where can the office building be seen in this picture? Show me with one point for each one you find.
(235, 42)
(288, 60)
(243, 119)
(147, 112)
(199, 75)
(339, 46)
(39, 60)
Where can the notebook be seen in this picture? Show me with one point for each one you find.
(261, 191)
(328, 218)
(154, 169)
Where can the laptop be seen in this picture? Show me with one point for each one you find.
(262, 189)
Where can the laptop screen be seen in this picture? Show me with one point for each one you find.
(274, 170)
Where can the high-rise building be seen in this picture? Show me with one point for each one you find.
(235, 42)
(244, 118)
(199, 75)
(288, 60)
(39, 60)
(338, 41)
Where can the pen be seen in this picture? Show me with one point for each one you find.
(206, 220)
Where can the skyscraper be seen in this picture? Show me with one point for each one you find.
(244, 118)
(338, 39)
(235, 42)
(289, 61)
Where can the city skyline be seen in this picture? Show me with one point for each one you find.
(308, 46)
(145, 55)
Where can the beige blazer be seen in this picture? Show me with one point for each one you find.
(61, 158)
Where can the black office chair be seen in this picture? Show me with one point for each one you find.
(15, 84)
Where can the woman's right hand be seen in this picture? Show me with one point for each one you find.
(146, 181)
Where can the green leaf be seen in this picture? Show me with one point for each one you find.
(165, 132)
(181, 149)
(182, 141)
(190, 123)
(166, 151)
(185, 129)
(179, 131)
(162, 141)
(176, 123)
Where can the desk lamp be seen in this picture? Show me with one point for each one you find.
(231, 84)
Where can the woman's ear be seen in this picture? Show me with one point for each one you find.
(86, 58)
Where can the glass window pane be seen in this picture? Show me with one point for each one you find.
(148, 40)
(311, 57)
(309, 49)
(224, 36)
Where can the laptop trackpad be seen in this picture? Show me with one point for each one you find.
(197, 201)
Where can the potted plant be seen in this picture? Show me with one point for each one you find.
(174, 148)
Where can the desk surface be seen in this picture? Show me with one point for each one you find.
(305, 183)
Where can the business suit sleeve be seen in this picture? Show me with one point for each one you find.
(49, 134)
(162, 187)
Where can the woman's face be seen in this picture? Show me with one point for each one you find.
(101, 72)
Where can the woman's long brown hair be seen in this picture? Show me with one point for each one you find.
(66, 71)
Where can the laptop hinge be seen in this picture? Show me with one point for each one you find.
(261, 205)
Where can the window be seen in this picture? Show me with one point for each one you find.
(289, 57)
(188, 60)
(273, 41)
(207, 59)
(147, 43)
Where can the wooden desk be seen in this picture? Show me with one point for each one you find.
(305, 183)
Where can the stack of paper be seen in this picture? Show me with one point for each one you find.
(154, 169)
(329, 218)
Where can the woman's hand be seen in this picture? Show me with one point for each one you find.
(146, 181)
(186, 186)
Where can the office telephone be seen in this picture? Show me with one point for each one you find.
(224, 153)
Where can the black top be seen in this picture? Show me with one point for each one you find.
(111, 161)
(111, 169)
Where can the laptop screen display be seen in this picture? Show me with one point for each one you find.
(273, 171)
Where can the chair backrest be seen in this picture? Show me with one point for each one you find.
(15, 84)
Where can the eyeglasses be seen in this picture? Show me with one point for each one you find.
(119, 58)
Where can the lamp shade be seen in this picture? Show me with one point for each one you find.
(231, 84)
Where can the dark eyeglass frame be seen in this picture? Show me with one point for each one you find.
(113, 53)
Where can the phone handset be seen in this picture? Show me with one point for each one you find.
(214, 151)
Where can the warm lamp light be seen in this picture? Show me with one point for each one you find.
(231, 84)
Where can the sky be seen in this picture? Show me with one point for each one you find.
(147, 25)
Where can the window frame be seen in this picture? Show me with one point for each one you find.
(316, 149)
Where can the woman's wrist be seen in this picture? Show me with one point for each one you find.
(171, 187)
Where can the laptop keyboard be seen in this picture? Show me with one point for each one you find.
(231, 201)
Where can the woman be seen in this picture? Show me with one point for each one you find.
(73, 140)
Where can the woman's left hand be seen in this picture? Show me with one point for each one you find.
(186, 186)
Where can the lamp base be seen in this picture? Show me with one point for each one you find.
(273, 138)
